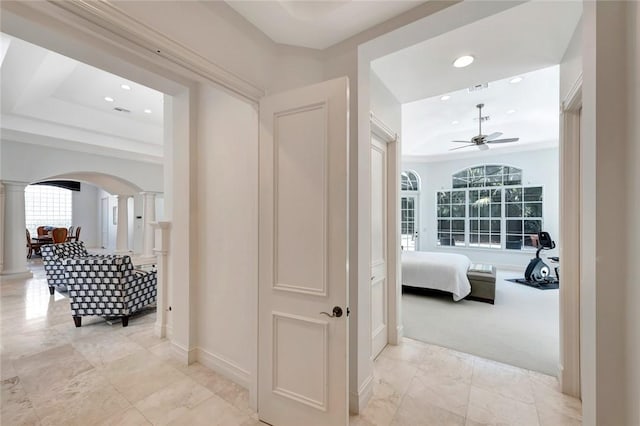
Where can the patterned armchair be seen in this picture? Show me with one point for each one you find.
(108, 287)
(52, 257)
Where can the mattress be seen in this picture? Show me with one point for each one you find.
(439, 271)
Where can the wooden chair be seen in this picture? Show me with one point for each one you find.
(32, 246)
(70, 235)
(41, 230)
(77, 237)
(59, 235)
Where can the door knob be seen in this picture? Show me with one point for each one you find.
(337, 312)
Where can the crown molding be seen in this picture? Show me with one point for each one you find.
(111, 18)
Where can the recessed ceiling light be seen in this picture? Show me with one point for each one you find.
(511, 111)
(455, 122)
(463, 61)
(108, 99)
(445, 97)
(515, 80)
(125, 86)
(147, 111)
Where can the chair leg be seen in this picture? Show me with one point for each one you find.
(52, 290)
(125, 320)
(77, 320)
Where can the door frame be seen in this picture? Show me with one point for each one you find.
(385, 134)
(570, 230)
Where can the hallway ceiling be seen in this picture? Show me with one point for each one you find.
(317, 24)
(53, 100)
(517, 42)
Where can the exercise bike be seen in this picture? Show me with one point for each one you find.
(537, 271)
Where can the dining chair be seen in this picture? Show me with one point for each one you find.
(70, 235)
(77, 237)
(59, 235)
(32, 246)
(41, 230)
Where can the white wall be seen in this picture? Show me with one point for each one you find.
(85, 213)
(25, 162)
(227, 223)
(571, 64)
(538, 168)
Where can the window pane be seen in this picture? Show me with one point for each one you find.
(459, 238)
(513, 179)
(495, 226)
(474, 225)
(444, 225)
(532, 209)
(443, 211)
(444, 197)
(458, 197)
(459, 183)
(514, 242)
(514, 227)
(533, 193)
(473, 196)
(532, 226)
(494, 181)
(513, 194)
(494, 171)
(484, 211)
(496, 195)
(484, 226)
(514, 210)
(496, 210)
(457, 226)
(457, 211)
(474, 211)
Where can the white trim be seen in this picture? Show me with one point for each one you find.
(114, 20)
(359, 400)
(184, 355)
(570, 234)
(10, 276)
(224, 367)
(382, 130)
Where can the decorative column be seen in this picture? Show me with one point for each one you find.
(148, 216)
(161, 250)
(1, 226)
(122, 227)
(14, 264)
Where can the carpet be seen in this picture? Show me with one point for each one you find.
(520, 329)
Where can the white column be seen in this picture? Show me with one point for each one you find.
(122, 227)
(162, 298)
(148, 216)
(14, 264)
(1, 226)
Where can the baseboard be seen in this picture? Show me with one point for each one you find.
(359, 400)
(15, 276)
(224, 367)
(187, 356)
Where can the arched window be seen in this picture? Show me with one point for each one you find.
(409, 181)
(488, 207)
(410, 186)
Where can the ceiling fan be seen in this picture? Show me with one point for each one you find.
(481, 140)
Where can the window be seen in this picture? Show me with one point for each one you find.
(451, 217)
(410, 186)
(47, 206)
(489, 208)
(487, 175)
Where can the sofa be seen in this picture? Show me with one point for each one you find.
(108, 287)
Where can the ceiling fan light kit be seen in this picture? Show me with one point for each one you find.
(481, 140)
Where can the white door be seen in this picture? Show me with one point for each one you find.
(104, 211)
(378, 245)
(303, 256)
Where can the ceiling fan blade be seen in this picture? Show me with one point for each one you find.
(504, 140)
(462, 141)
(492, 136)
(483, 147)
(460, 147)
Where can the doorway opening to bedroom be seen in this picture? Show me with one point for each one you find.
(483, 144)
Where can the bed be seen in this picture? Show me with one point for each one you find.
(439, 271)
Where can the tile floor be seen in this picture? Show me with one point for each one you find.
(55, 374)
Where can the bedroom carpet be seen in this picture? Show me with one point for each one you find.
(521, 329)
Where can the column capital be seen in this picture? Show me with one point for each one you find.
(123, 196)
(14, 185)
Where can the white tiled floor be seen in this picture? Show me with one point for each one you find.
(55, 374)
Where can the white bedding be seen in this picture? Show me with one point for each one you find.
(440, 271)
